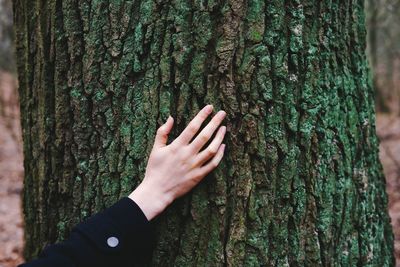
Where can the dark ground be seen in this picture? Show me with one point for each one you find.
(11, 172)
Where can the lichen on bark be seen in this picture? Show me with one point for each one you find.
(300, 183)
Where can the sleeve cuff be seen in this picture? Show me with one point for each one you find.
(121, 232)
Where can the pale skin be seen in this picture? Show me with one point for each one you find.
(174, 169)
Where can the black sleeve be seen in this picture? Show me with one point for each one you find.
(119, 236)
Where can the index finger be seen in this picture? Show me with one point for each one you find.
(194, 125)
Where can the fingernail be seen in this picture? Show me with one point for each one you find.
(209, 108)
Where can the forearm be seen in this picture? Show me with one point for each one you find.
(119, 236)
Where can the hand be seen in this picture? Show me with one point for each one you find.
(173, 170)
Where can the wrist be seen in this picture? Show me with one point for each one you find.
(149, 200)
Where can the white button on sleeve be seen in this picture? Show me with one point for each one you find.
(112, 241)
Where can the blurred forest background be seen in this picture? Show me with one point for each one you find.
(11, 166)
(383, 25)
(383, 49)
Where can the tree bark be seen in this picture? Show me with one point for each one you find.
(300, 183)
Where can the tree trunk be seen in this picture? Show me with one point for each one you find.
(6, 37)
(300, 183)
(372, 21)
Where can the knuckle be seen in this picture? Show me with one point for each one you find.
(214, 164)
(192, 128)
(204, 138)
(160, 130)
(186, 151)
(211, 151)
(173, 147)
(197, 176)
(203, 116)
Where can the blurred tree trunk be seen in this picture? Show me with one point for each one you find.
(372, 23)
(372, 11)
(383, 43)
(301, 183)
(6, 37)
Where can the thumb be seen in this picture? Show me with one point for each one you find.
(162, 133)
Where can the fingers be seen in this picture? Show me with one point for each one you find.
(212, 149)
(162, 133)
(208, 131)
(204, 170)
(194, 125)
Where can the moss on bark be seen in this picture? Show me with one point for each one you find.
(301, 183)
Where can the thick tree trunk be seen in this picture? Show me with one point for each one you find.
(301, 183)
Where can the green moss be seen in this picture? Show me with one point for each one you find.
(300, 183)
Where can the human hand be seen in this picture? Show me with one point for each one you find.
(173, 170)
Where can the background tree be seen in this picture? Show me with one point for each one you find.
(6, 36)
(301, 183)
(8, 95)
(384, 52)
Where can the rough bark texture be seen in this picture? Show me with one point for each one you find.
(300, 184)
